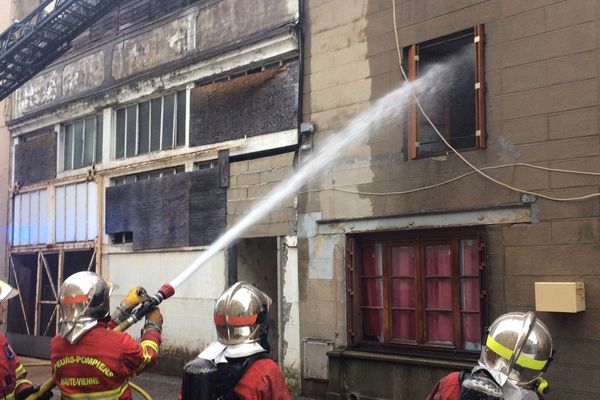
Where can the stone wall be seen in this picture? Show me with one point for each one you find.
(541, 74)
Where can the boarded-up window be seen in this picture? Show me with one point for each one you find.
(35, 159)
(30, 218)
(81, 143)
(76, 214)
(249, 105)
(173, 211)
(142, 176)
(157, 124)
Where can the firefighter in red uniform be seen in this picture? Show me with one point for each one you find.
(243, 370)
(89, 360)
(516, 352)
(13, 385)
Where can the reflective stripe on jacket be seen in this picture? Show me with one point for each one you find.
(97, 367)
(12, 372)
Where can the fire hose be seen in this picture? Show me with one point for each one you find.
(163, 293)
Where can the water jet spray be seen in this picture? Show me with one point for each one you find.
(380, 114)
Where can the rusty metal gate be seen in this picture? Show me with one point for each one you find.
(33, 315)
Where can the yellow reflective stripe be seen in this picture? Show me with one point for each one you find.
(10, 396)
(150, 343)
(147, 357)
(21, 381)
(507, 353)
(20, 370)
(106, 395)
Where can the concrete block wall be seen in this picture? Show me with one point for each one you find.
(541, 70)
(252, 180)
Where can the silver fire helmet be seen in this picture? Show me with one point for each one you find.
(241, 314)
(7, 291)
(83, 299)
(519, 346)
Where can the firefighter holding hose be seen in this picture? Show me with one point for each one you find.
(89, 360)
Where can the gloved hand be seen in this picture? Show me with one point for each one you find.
(134, 297)
(154, 320)
(25, 393)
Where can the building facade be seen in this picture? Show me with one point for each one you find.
(156, 132)
(406, 254)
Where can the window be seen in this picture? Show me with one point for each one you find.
(82, 143)
(459, 112)
(417, 290)
(153, 125)
(143, 176)
(121, 237)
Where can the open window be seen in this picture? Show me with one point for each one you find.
(459, 109)
(420, 292)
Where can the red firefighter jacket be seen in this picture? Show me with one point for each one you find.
(12, 373)
(263, 381)
(99, 364)
(447, 388)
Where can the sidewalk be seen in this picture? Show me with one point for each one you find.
(158, 386)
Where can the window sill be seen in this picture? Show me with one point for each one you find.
(360, 354)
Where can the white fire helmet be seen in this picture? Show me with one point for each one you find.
(241, 314)
(83, 299)
(519, 346)
(7, 291)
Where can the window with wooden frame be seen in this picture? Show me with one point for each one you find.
(417, 291)
(152, 125)
(459, 109)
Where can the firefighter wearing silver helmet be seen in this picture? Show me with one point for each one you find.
(84, 299)
(516, 351)
(240, 315)
(236, 366)
(89, 359)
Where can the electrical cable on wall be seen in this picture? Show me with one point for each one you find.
(475, 170)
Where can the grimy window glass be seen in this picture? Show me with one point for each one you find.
(152, 125)
(82, 142)
(458, 110)
(168, 121)
(131, 131)
(417, 290)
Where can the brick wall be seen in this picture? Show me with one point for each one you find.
(250, 181)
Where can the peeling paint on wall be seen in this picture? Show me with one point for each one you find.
(41, 90)
(242, 18)
(321, 251)
(83, 74)
(161, 45)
